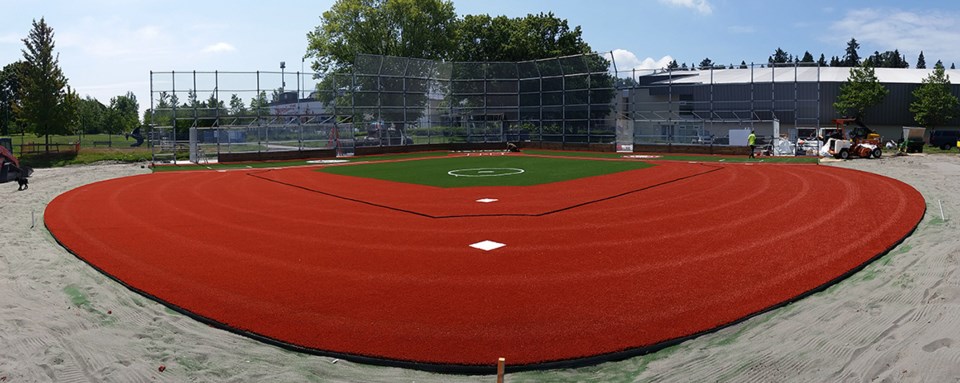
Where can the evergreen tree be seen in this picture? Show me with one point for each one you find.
(807, 57)
(673, 65)
(47, 104)
(921, 62)
(706, 63)
(743, 65)
(834, 61)
(779, 57)
(851, 58)
(900, 61)
(822, 61)
(874, 60)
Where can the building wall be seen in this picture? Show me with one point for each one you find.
(725, 106)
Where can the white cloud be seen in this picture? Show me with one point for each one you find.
(220, 47)
(627, 61)
(701, 6)
(933, 32)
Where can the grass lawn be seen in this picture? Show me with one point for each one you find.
(85, 156)
(485, 170)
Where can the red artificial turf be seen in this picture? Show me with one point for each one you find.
(367, 268)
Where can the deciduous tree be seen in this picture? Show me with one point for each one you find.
(91, 115)
(124, 114)
(10, 94)
(406, 28)
(934, 105)
(861, 91)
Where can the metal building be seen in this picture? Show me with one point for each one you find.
(700, 106)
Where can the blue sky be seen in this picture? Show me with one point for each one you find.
(109, 47)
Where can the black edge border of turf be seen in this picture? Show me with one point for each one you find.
(465, 369)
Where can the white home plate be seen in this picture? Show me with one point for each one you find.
(487, 245)
(487, 200)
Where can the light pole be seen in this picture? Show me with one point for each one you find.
(283, 81)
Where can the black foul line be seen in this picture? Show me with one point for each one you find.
(257, 175)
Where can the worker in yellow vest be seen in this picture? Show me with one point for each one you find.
(752, 141)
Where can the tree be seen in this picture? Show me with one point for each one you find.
(822, 61)
(10, 94)
(236, 106)
(123, 114)
(807, 57)
(91, 116)
(706, 63)
(162, 114)
(874, 60)
(485, 38)
(851, 58)
(673, 65)
(214, 106)
(934, 104)
(406, 28)
(888, 59)
(834, 61)
(779, 57)
(861, 91)
(259, 105)
(921, 61)
(46, 101)
(743, 64)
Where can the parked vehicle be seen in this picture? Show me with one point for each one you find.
(862, 141)
(944, 139)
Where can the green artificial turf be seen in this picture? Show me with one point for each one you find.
(435, 172)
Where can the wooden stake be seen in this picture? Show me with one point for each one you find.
(500, 364)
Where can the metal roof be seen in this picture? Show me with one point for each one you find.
(795, 74)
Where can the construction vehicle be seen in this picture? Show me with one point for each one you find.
(10, 168)
(861, 141)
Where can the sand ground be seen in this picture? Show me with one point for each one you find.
(898, 320)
